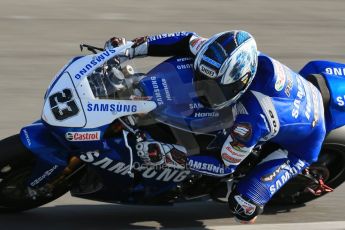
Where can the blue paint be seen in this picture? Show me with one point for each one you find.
(334, 74)
(171, 86)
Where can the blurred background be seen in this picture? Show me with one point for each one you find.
(37, 37)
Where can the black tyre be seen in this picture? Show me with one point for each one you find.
(330, 165)
(16, 164)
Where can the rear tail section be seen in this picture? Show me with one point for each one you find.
(329, 78)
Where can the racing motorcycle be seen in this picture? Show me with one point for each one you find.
(98, 107)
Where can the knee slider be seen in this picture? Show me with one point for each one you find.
(243, 208)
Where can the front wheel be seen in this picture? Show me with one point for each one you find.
(16, 165)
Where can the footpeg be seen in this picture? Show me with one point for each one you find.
(319, 189)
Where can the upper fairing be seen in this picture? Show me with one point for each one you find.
(69, 101)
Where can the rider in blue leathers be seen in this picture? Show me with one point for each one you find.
(270, 103)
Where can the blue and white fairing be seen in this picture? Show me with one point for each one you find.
(171, 86)
(334, 74)
(73, 120)
(72, 112)
(70, 102)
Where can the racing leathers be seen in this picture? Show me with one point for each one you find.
(280, 106)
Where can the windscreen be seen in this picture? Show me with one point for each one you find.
(108, 82)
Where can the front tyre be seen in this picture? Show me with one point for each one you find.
(16, 164)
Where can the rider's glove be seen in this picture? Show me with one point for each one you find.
(155, 153)
(114, 42)
(139, 47)
(139, 41)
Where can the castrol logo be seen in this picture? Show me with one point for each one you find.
(83, 136)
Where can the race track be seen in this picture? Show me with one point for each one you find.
(39, 36)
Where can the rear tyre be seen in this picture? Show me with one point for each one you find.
(16, 164)
(330, 165)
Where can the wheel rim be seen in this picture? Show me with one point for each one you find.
(14, 186)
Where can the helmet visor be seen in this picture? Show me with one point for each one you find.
(213, 95)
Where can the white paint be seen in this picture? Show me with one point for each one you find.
(75, 79)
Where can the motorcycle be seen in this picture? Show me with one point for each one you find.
(84, 142)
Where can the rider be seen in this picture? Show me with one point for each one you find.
(269, 102)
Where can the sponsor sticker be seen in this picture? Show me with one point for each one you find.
(280, 82)
(166, 89)
(238, 147)
(196, 165)
(43, 176)
(247, 207)
(27, 137)
(184, 59)
(103, 107)
(196, 43)
(280, 74)
(299, 98)
(195, 106)
(184, 66)
(284, 177)
(316, 106)
(242, 131)
(207, 71)
(335, 71)
(83, 136)
(289, 85)
(271, 176)
(121, 168)
(230, 159)
(206, 114)
(156, 91)
(99, 58)
(167, 35)
(233, 152)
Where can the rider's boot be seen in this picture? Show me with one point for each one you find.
(245, 211)
(257, 188)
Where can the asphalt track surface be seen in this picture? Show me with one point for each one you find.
(38, 37)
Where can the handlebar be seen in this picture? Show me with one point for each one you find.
(90, 48)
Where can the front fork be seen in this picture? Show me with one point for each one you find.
(53, 164)
(60, 177)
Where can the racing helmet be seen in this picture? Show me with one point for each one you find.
(224, 68)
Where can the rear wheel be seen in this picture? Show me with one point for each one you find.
(330, 166)
(16, 164)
